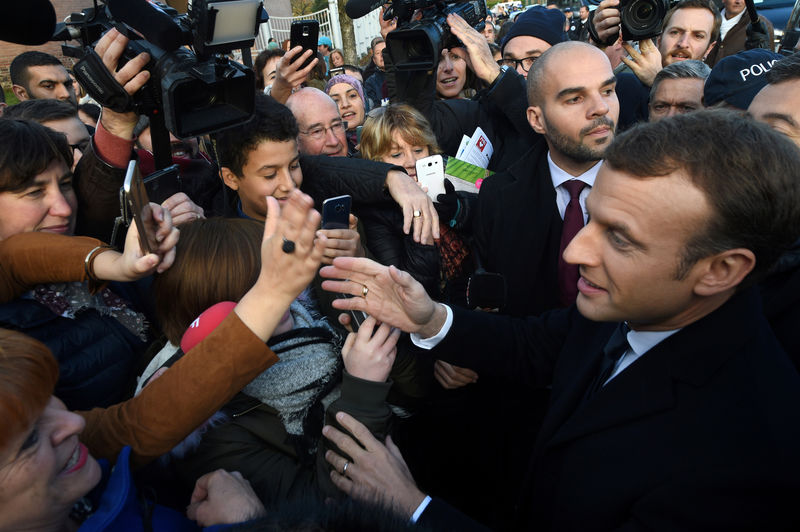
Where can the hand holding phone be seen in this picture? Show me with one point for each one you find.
(305, 33)
(137, 205)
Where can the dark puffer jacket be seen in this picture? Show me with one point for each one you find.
(96, 354)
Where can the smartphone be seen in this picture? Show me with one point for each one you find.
(305, 33)
(335, 71)
(137, 205)
(430, 173)
(336, 212)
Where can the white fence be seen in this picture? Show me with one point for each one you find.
(365, 28)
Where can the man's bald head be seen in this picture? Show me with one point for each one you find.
(569, 52)
(315, 110)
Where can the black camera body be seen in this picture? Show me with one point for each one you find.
(639, 19)
(196, 91)
(416, 46)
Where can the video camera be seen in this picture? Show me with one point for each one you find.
(196, 92)
(416, 45)
(639, 19)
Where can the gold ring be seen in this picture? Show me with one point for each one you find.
(417, 214)
(364, 291)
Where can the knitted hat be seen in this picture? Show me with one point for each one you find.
(324, 39)
(540, 22)
(350, 80)
(736, 79)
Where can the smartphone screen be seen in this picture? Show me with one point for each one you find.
(138, 206)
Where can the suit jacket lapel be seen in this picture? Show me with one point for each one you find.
(645, 388)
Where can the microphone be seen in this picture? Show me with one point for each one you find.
(359, 8)
(205, 324)
(152, 22)
(30, 22)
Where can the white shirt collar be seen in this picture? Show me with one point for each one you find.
(559, 176)
(643, 341)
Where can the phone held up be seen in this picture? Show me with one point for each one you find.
(336, 215)
(137, 208)
(336, 212)
(305, 33)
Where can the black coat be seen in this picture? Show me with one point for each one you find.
(517, 232)
(499, 110)
(700, 433)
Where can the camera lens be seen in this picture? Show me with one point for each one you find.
(642, 16)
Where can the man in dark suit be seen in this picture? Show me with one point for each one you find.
(673, 406)
(521, 212)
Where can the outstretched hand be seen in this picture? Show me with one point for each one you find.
(387, 294)
(291, 253)
(375, 472)
(644, 62)
(419, 214)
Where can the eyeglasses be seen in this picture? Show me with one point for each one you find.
(526, 62)
(81, 145)
(318, 132)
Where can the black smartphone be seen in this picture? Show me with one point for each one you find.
(335, 71)
(336, 212)
(305, 33)
(138, 208)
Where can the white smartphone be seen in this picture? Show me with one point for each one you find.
(430, 173)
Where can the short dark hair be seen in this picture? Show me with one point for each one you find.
(271, 121)
(749, 174)
(787, 69)
(18, 70)
(28, 149)
(41, 110)
(700, 4)
(376, 41)
(352, 68)
(261, 61)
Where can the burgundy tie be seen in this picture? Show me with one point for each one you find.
(573, 222)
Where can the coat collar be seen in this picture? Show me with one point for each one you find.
(693, 355)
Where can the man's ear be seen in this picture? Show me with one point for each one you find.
(229, 178)
(20, 92)
(724, 271)
(708, 50)
(536, 119)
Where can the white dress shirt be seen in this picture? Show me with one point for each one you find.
(560, 177)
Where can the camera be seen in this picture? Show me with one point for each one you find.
(416, 45)
(639, 19)
(193, 85)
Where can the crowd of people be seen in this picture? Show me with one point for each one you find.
(602, 337)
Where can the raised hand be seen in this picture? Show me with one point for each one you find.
(387, 294)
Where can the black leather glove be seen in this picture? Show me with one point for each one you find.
(757, 36)
(454, 206)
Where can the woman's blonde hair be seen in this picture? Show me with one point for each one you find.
(382, 122)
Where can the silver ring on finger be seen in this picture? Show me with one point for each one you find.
(344, 468)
